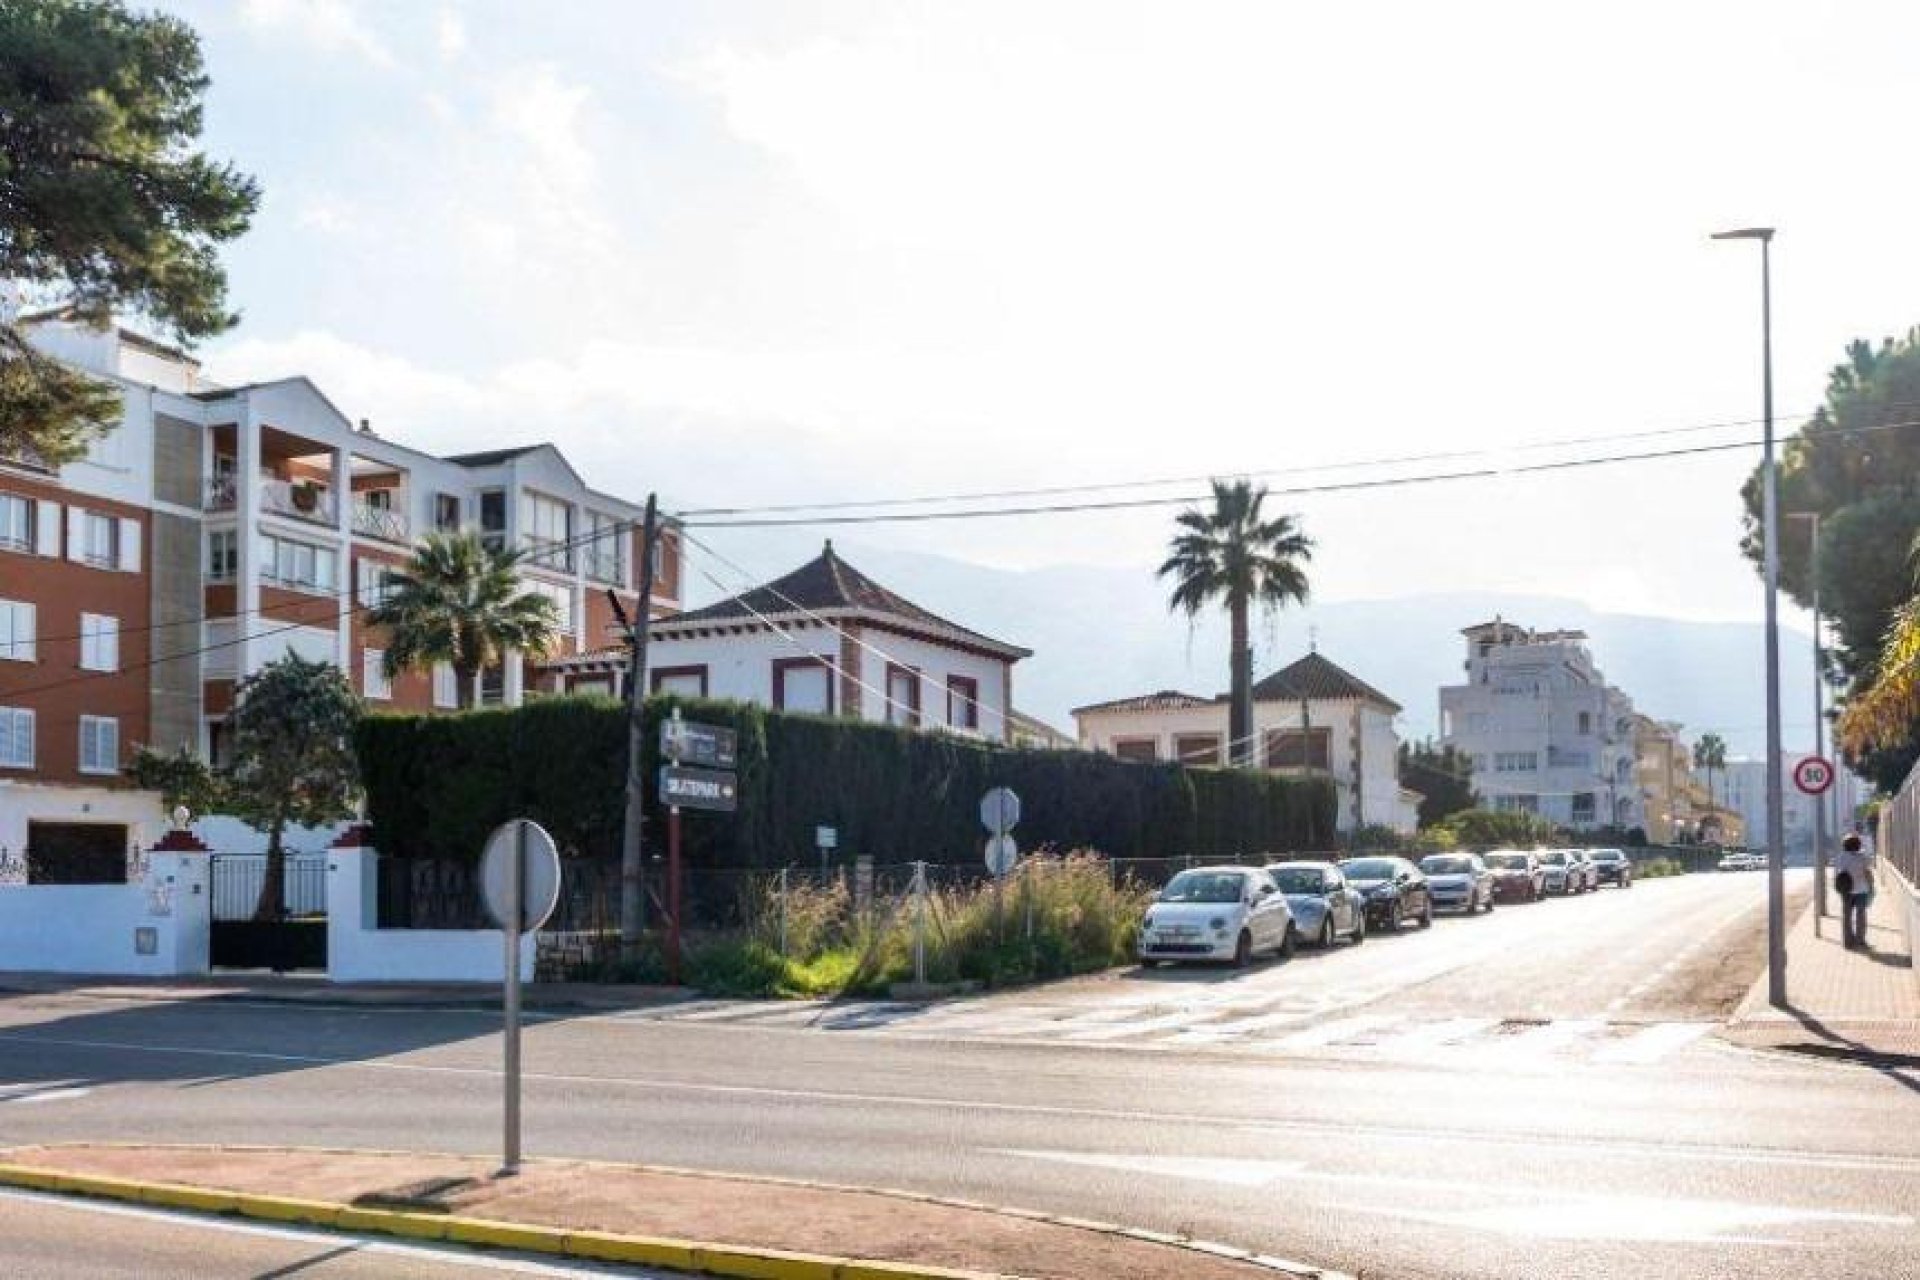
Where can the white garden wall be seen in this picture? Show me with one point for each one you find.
(360, 951)
(158, 927)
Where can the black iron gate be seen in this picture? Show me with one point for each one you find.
(292, 937)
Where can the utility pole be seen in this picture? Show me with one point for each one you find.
(1819, 724)
(633, 885)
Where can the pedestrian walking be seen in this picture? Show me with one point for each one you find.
(1853, 881)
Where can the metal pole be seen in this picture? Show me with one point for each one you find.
(510, 1158)
(1776, 798)
(633, 886)
(673, 893)
(1819, 737)
(920, 923)
(783, 911)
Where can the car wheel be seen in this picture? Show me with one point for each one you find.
(1426, 915)
(1287, 941)
(1326, 931)
(1359, 934)
(1489, 904)
(1149, 964)
(1243, 950)
(1393, 919)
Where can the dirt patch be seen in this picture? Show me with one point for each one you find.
(1714, 985)
(638, 1201)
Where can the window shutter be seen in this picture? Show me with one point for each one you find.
(109, 644)
(129, 546)
(46, 529)
(77, 534)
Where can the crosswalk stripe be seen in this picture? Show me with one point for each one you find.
(1651, 1044)
(1434, 1035)
(1328, 1033)
(1543, 1039)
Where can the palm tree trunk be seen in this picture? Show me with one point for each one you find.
(1240, 685)
(273, 885)
(473, 679)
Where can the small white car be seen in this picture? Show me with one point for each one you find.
(1217, 913)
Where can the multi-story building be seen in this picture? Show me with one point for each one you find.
(1544, 730)
(1310, 717)
(1744, 790)
(212, 530)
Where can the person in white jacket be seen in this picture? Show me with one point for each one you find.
(1853, 881)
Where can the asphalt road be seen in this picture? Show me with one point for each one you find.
(1531, 1093)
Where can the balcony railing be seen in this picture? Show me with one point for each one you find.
(302, 501)
(379, 522)
(221, 493)
(549, 554)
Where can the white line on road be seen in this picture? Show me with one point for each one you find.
(1651, 1044)
(1252, 1124)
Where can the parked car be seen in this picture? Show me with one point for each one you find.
(1613, 867)
(1217, 913)
(1517, 875)
(1394, 889)
(1324, 905)
(1561, 874)
(1742, 862)
(1458, 881)
(1589, 874)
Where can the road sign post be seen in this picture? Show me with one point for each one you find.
(520, 884)
(826, 839)
(707, 783)
(1813, 776)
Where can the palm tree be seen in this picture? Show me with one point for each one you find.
(460, 603)
(1230, 553)
(1710, 753)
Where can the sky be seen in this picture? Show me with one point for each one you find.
(751, 254)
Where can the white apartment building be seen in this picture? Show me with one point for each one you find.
(1743, 788)
(213, 529)
(1544, 730)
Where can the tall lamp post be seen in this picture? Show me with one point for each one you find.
(1770, 535)
(1819, 724)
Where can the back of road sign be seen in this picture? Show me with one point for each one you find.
(539, 877)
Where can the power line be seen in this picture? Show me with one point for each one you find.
(1348, 486)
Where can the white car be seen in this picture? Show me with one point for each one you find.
(1217, 913)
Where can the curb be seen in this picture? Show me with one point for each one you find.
(884, 1271)
(599, 1246)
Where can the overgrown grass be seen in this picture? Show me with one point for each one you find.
(1655, 868)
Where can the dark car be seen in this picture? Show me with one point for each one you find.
(1517, 876)
(1394, 890)
(1612, 866)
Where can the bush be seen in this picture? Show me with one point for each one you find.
(1655, 868)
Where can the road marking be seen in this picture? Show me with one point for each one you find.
(1208, 1119)
(1225, 1171)
(1422, 1041)
(1337, 1029)
(30, 1094)
(1651, 1044)
(1540, 1041)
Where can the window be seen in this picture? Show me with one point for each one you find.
(606, 548)
(1136, 748)
(16, 738)
(101, 540)
(802, 684)
(547, 525)
(1586, 723)
(903, 695)
(223, 555)
(686, 682)
(16, 522)
(963, 702)
(1517, 804)
(99, 744)
(1197, 748)
(1515, 761)
(376, 583)
(446, 512)
(493, 518)
(373, 675)
(1583, 806)
(17, 631)
(99, 642)
(299, 565)
(562, 598)
(446, 687)
(1299, 748)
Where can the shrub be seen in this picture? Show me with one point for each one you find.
(1655, 868)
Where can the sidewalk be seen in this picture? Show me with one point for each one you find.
(314, 989)
(1853, 1005)
(676, 1219)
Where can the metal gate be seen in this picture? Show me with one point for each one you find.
(292, 937)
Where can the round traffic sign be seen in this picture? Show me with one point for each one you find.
(1000, 811)
(1813, 775)
(1002, 853)
(526, 846)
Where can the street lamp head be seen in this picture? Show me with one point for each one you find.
(1745, 233)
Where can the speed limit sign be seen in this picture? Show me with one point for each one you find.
(1813, 775)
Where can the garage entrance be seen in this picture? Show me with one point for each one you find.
(76, 853)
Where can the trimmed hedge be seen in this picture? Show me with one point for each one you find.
(437, 784)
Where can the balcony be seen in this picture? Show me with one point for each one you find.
(304, 501)
(379, 522)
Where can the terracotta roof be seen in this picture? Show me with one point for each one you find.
(1315, 677)
(1165, 700)
(830, 586)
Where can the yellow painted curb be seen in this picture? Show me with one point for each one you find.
(312, 1213)
(507, 1235)
(88, 1184)
(20, 1175)
(177, 1197)
(605, 1246)
(393, 1222)
(764, 1264)
(871, 1269)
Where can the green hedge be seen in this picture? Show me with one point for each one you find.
(436, 784)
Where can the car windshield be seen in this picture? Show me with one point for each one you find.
(1299, 880)
(1446, 866)
(1370, 869)
(1607, 855)
(1204, 886)
(1507, 861)
(1555, 859)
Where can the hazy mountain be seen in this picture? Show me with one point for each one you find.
(1100, 633)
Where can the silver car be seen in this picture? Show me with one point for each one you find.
(1459, 882)
(1217, 913)
(1324, 905)
(1562, 876)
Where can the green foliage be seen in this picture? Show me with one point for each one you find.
(104, 204)
(181, 778)
(1230, 554)
(1656, 868)
(1443, 775)
(292, 732)
(1475, 828)
(436, 785)
(460, 603)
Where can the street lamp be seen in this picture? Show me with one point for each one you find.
(1819, 724)
(1770, 536)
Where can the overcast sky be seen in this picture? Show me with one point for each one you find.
(769, 253)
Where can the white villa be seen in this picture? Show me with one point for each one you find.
(1310, 717)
